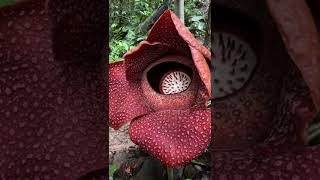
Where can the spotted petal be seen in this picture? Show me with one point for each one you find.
(169, 29)
(203, 68)
(175, 137)
(138, 58)
(52, 100)
(126, 100)
(268, 163)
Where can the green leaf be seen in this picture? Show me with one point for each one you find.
(112, 169)
(130, 35)
(113, 25)
(201, 26)
(141, 38)
(196, 18)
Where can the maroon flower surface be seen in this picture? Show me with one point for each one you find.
(52, 90)
(261, 130)
(175, 126)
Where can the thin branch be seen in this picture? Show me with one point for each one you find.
(149, 22)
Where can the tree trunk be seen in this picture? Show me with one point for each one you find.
(207, 41)
(179, 9)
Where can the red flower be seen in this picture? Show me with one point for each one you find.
(262, 129)
(174, 127)
(52, 117)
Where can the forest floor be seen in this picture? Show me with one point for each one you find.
(120, 146)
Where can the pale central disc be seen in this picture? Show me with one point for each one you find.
(174, 82)
(233, 64)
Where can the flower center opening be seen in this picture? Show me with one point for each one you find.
(233, 63)
(170, 78)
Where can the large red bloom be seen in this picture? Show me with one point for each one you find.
(52, 89)
(174, 128)
(262, 129)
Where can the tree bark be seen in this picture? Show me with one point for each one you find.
(207, 41)
(179, 9)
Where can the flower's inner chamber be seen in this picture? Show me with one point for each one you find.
(233, 64)
(170, 77)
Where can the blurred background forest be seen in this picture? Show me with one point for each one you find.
(127, 16)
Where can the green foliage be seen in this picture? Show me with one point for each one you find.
(124, 20)
(112, 169)
(123, 39)
(126, 16)
(195, 18)
(6, 2)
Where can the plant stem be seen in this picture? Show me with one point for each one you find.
(170, 173)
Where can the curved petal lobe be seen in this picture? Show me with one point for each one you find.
(138, 58)
(125, 99)
(170, 30)
(188, 37)
(164, 31)
(175, 137)
(203, 68)
(301, 38)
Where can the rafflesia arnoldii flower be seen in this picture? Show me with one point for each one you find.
(162, 87)
(52, 89)
(261, 129)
